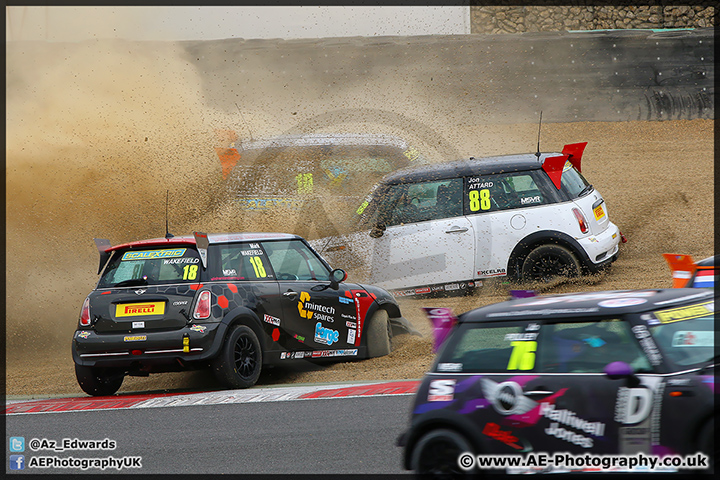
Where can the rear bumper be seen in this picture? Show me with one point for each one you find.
(148, 350)
(601, 249)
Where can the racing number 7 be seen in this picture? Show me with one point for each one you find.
(522, 356)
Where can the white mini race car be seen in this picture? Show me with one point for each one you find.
(446, 227)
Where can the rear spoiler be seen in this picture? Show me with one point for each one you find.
(682, 267)
(554, 166)
(103, 245)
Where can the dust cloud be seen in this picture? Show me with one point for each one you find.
(99, 132)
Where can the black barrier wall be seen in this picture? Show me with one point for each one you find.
(618, 75)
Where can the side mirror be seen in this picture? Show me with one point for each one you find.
(377, 230)
(617, 370)
(337, 276)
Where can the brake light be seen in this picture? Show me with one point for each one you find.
(202, 307)
(85, 314)
(582, 223)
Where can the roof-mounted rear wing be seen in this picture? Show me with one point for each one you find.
(103, 245)
(554, 166)
(202, 242)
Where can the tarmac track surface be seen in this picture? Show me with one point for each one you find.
(340, 429)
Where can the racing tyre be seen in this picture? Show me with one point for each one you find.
(436, 455)
(98, 381)
(378, 335)
(546, 262)
(240, 360)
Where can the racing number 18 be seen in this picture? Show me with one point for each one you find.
(479, 199)
(190, 272)
(522, 356)
(258, 266)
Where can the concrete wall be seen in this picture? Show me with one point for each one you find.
(519, 19)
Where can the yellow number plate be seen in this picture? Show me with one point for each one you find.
(599, 212)
(139, 309)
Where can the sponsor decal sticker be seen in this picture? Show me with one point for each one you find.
(423, 290)
(139, 309)
(138, 324)
(351, 336)
(351, 324)
(324, 335)
(299, 338)
(83, 334)
(198, 328)
(647, 343)
(346, 300)
(621, 302)
(271, 320)
(599, 212)
(493, 430)
(687, 338)
(452, 286)
(686, 313)
(135, 338)
(450, 367)
(174, 261)
(495, 272)
(315, 311)
(569, 418)
(177, 304)
(527, 200)
(151, 254)
(441, 390)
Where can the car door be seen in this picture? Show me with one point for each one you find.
(426, 239)
(314, 315)
(586, 410)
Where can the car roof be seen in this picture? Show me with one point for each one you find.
(708, 262)
(577, 307)
(467, 167)
(325, 139)
(212, 238)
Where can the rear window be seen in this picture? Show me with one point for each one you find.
(686, 335)
(152, 266)
(573, 182)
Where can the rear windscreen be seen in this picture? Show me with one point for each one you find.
(152, 266)
(573, 182)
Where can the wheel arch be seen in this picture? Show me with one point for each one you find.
(438, 423)
(240, 316)
(544, 237)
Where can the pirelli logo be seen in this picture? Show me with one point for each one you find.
(686, 313)
(139, 309)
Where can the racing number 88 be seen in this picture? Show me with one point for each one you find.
(258, 266)
(522, 356)
(479, 200)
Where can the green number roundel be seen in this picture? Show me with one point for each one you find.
(479, 199)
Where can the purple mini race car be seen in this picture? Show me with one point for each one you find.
(620, 374)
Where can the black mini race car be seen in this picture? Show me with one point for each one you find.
(619, 373)
(231, 302)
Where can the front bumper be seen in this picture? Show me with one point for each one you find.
(147, 350)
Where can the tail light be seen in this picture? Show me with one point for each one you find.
(581, 220)
(202, 307)
(85, 314)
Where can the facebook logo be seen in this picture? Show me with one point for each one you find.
(17, 444)
(17, 462)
